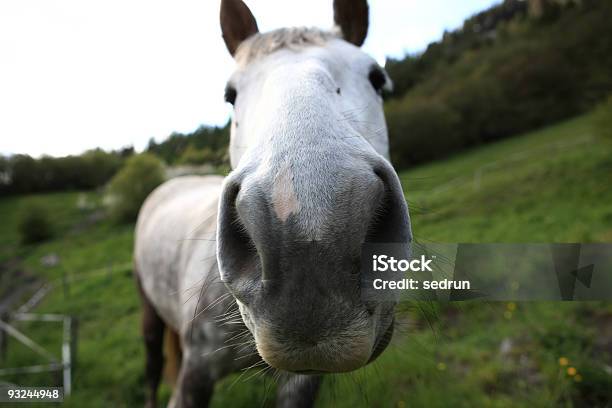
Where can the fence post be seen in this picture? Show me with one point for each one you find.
(3, 337)
(66, 361)
(74, 343)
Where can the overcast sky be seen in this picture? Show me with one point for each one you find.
(76, 74)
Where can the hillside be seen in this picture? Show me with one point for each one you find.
(551, 185)
(504, 72)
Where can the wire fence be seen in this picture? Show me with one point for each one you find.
(50, 362)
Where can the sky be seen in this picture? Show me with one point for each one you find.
(79, 74)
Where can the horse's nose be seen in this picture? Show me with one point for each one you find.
(268, 227)
(289, 251)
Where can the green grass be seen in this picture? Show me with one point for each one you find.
(550, 185)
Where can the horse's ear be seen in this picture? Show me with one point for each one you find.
(352, 18)
(237, 23)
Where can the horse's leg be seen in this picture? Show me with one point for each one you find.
(298, 391)
(195, 385)
(153, 333)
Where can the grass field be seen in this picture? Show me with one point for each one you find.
(553, 185)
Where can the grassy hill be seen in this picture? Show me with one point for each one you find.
(550, 185)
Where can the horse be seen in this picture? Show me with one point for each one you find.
(262, 268)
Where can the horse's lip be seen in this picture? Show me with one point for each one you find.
(383, 342)
(310, 372)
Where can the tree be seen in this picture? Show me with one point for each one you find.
(132, 184)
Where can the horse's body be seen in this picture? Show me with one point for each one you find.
(175, 248)
(173, 221)
(262, 268)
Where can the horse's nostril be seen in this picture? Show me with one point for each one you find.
(390, 222)
(379, 222)
(236, 249)
(235, 228)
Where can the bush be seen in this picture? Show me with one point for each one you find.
(35, 225)
(424, 131)
(485, 114)
(129, 188)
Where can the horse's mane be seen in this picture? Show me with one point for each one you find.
(262, 44)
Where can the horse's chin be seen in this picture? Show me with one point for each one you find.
(315, 365)
(382, 342)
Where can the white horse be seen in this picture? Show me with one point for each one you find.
(262, 268)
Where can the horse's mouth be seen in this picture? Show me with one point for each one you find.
(311, 372)
(383, 342)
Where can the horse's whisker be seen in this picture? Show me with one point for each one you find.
(225, 347)
(211, 305)
(257, 364)
(263, 370)
(239, 335)
(246, 355)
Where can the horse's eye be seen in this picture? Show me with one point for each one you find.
(378, 79)
(230, 94)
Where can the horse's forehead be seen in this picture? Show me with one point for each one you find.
(295, 39)
(333, 56)
(310, 93)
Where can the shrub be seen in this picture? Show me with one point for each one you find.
(484, 111)
(35, 224)
(132, 184)
(425, 130)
